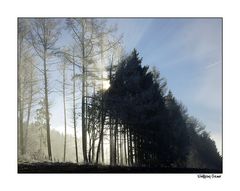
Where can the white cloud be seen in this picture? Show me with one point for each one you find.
(211, 65)
(133, 32)
(208, 93)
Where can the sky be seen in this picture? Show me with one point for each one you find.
(188, 54)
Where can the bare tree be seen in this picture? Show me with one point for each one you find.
(27, 82)
(43, 37)
(63, 82)
(74, 109)
(22, 54)
(21, 35)
(80, 29)
(64, 109)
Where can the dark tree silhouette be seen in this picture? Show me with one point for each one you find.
(203, 151)
(177, 123)
(136, 100)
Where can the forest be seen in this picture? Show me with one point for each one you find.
(118, 113)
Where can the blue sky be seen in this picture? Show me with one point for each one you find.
(188, 54)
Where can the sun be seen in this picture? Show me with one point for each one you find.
(106, 84)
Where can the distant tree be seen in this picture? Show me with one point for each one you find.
(203, 151)
(40, 125)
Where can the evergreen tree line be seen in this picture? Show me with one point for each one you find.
(147, 126)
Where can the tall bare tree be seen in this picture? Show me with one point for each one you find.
(22, 33)
(27, 82)
(64, 109)
(43, 37)
(79, 28)
(63, 82)
(74, 109)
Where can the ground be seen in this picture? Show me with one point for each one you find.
(47, 167)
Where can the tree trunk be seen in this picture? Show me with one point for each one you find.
(47, 106)
(65, 115)
(21, 128)
(93, 129)
(86, 109)
(130, 153)
(19, 97)
(125, 146)
(116, 143)
(120, 142)
(41, 136)
(74, 114)
(111, 140)
(110, 120)
(93, 145)
(102, 123)
(131, 147)
(29, 111)
(100, 140)
(84, 138)
(102, 149)
(90, 150)
(135, 139)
